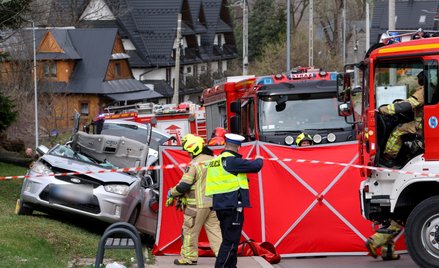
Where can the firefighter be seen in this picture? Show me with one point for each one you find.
(383, 238)
(217, 137)
(416, 103)
(304, 140)
(227, 182)
(197, 212)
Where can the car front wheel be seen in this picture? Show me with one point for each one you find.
(22, 209)
(422, 233)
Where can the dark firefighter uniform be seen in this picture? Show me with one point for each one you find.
(227, 182)
(416, 103)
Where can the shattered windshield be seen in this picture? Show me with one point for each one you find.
(300, 112)
(67, 152)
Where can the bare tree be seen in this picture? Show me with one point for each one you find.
(330, 19)
(298, 9)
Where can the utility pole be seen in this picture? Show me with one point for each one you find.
(344, 32)
(35, 86)
(392, 72)
(244, 37)
(175, 97)
(367, 26)
(288, 35)
(311, 33)
(391, 15)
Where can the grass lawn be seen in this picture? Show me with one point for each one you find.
(45, 241)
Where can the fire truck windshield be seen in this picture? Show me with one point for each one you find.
(300, 112)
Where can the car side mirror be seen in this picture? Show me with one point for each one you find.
(42, 150)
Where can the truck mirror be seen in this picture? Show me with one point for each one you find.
(340, 87)
(235, 124)
(235, 107)
(357, 89)
(345, 109)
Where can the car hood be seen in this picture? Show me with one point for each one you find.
(79, 166)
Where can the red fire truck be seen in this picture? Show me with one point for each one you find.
(277, 108)
(409, 191)
(176, 120)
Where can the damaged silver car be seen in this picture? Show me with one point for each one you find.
(107, 196)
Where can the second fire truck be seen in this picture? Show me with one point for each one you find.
(278, 108)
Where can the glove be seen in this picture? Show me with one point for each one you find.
(169, 201)
(181, 203)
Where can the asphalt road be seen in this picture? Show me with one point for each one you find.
(346, 261)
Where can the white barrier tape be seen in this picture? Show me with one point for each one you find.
(184, 165)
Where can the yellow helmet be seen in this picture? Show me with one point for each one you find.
(193, 145)
(303, 137)
(185, 138)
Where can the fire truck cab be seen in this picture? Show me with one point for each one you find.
(278, 108)
(409, 191)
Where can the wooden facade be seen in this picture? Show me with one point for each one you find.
(56, 109)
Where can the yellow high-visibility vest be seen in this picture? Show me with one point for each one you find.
(219, 181)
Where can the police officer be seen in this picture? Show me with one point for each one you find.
(416, 103)
(198, 210)
(227, 182)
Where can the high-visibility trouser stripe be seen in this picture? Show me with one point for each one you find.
(191, 201)
(394, 143)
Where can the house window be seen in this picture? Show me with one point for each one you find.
(50, 69)
(117, 69)
(84, 108)
(189, 69)
(203, 68)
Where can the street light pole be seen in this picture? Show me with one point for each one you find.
(35, 86)
(288, 35)
(244, 37)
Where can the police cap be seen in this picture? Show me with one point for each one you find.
(234, 138)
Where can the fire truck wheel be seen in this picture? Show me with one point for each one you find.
(422, 233)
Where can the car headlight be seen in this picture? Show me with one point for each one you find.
(317, 138)
(289, 140)
(40, 168)
(121, 189)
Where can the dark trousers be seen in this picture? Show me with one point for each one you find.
(231, 222)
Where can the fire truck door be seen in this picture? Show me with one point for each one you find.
(431, 112)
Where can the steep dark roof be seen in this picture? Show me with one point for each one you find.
(161, 87)
(408, 16)
(94, 49)
(63, 39)
(137, 95)
(151, 26)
